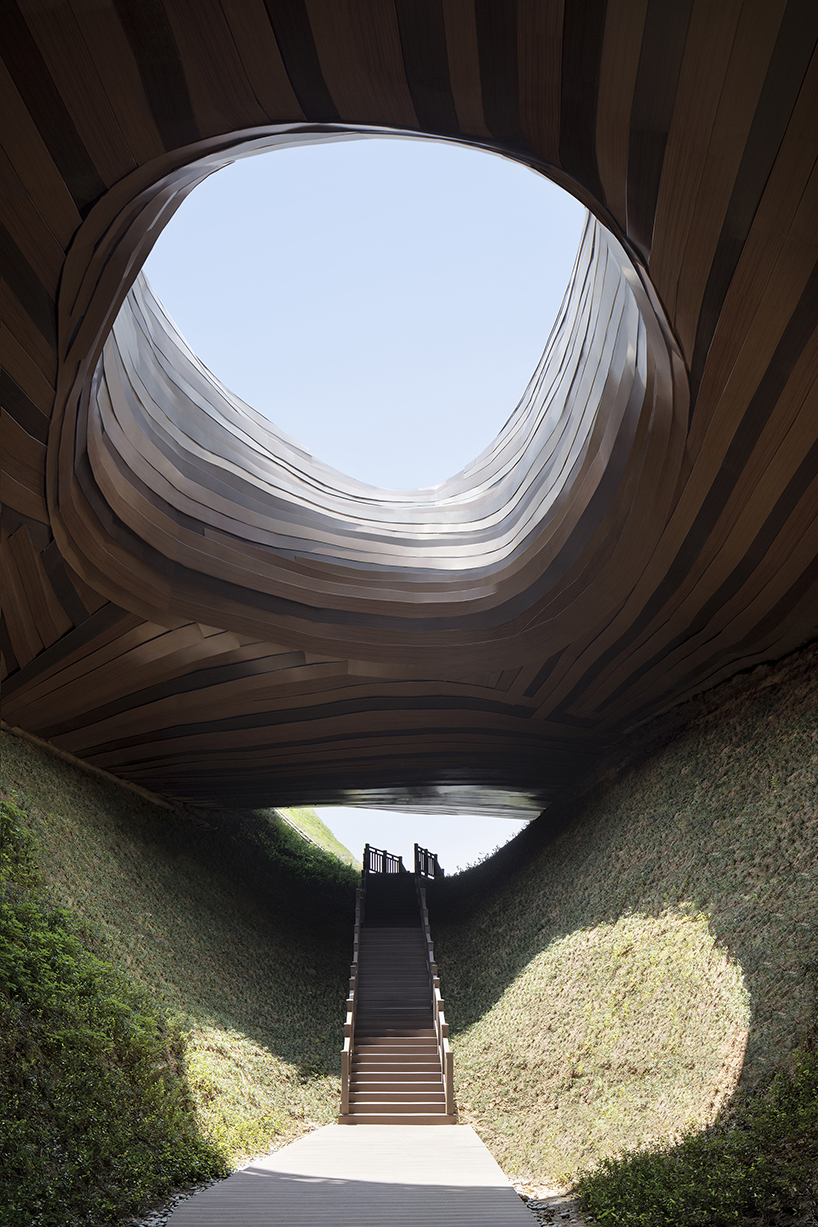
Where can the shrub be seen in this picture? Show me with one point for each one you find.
(97, 1116)
(761, 1165)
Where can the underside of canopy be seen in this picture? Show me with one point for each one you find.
(196, 604)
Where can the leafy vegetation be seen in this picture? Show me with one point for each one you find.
(760, 1167)
(97, 1114)
(640, 963)
(305, 819)
(228, 939)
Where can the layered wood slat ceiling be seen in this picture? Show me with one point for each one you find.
(198, 606)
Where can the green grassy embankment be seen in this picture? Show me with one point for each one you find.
(190, 970)
(611, 972)
(305, 820)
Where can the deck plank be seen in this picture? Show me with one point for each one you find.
(367, 1176)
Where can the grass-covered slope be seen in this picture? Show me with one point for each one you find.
(305, 820)
(612, 971)
(223, 942)
(97, 1112)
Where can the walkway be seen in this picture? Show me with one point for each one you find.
(365, 1176)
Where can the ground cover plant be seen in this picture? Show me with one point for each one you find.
(229, 929)
(97, 1113)
(643, 964)
(759, 1166)
(305, 820)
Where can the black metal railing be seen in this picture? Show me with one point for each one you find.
(378, 860)
(426, 863)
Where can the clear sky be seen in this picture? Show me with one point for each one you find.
(459, 841)
(384, 302)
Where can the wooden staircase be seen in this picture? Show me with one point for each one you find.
(396, 1034)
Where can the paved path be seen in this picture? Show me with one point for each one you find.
(365, 1176)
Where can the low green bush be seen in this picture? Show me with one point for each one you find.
(759, 1166)
(97, 1117)
(229, 922)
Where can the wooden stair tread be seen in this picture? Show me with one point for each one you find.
(395, 1073)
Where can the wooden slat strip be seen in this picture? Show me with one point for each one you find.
(29, 229)
(791, 192)
(158, 61)
(726, 59)
(36, 384)
(255, 42)
(423, 47)
(619, 64)
(358, 47)
(17, 612)
(27, 333)
(114, 63)
(539, 49)
(220, 93)
(22, 456)
(49, 616)
(73, 71)
(464, 66)
(32, 161)
(18, 495)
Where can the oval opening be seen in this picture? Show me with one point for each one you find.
(383, 301)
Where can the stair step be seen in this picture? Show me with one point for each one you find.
(378, 1052)
(374, 1078)
(384, 1034)
(387, 1118)
(373, 1039)
(425, 1094)
(389, 1068)
(386, 1056)
(430, 1092)
(397, 1017)
(423, 1050)
(398, 1109)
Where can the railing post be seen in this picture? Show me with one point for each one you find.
(345, 1071)
(448, 1079)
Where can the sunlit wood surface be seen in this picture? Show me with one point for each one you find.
(197, 605)
(365, 1176)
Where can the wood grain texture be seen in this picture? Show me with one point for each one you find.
(197, 604)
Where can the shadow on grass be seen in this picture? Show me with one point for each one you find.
(238, 930)
(98, 1116)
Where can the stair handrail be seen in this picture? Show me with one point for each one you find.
(427, 864)
(378, 860)
(441, 1026)
(351, 1005)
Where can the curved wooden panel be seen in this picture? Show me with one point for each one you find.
(193, 601)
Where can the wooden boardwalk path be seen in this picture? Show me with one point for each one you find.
(365, 1176)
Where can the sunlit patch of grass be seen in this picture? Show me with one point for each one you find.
(611, 1036)
(247, 1100)
(708, 843)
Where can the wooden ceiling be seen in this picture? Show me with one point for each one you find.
(198, 606)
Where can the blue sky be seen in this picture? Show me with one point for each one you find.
(459, 840)
(383, 301)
